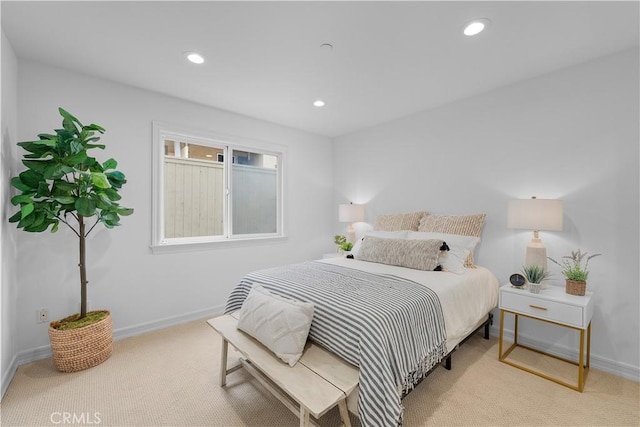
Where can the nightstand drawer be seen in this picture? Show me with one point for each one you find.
(543, 308)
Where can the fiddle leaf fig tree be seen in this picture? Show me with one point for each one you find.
(64, 184)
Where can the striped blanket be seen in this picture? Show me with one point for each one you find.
(391, 328)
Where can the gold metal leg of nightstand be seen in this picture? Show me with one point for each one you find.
(581, 362)
(589, 345)
(501, 334)
(583, 365)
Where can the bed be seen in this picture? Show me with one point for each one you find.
(394, 322)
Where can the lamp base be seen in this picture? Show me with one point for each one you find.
(351, 234)
(536, 255)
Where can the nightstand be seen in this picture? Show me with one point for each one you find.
(552, 305)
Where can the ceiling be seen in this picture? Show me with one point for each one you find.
(264, 60)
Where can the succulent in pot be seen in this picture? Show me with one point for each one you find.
(535, 273)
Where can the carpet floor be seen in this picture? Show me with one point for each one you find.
(170, 378)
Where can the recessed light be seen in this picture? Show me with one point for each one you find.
(476, 26)
(318, 103)
(194, 57)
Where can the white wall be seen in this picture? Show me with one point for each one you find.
(144, 290)
(573, 135)
(8, 233)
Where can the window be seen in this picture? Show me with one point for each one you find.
(208, 188)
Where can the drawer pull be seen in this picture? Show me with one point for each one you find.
(538, 307)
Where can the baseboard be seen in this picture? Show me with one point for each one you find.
(43, 352)
(142, 328)
(623, 370)
(8, 376)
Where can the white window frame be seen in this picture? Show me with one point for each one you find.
(163, 131)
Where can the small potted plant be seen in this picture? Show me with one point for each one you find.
(574, 272)
(535, 275)
(343, 244)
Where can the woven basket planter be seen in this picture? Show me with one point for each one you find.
(82, 348)
(575, 288)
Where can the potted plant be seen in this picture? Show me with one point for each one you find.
(535, 275)
(574, 272)
(64, 184)
(343, 244)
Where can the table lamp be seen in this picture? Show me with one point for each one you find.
(535, 214)
(351, 213)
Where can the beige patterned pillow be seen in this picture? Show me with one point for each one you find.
(416, 254)
(464, 225)
(397, 222)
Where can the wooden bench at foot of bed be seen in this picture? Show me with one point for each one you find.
(318, 382)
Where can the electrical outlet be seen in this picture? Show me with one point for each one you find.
(43, 315)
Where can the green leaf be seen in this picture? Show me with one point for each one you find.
(93, 126)
(16, 217)
(37, 228)
(110, 217)
(17, 183)
(27, 221)
(65, 200)
(90, 162)
(42, 143)
(69, 125)
(38, 219)
(65, 186)
(76, 146)
(116, 178)
(110, 164)
(38, 155)
(124, 211)
(68, 116)
(112, 194)
(103, 202)
(37, 165)
(55, 226)
(43, 190)
(85, 206)
(31, 178)
(101, 146)
(36, 146)
(26, 210)
(100, 180)
(65, 135)
(54, 171)
(16, 200)
(76, 158)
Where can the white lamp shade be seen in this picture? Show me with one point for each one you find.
(535, 214)
(350, 213)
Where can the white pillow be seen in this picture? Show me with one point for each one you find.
(459, 248)
(281, 324)
(402, 234)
